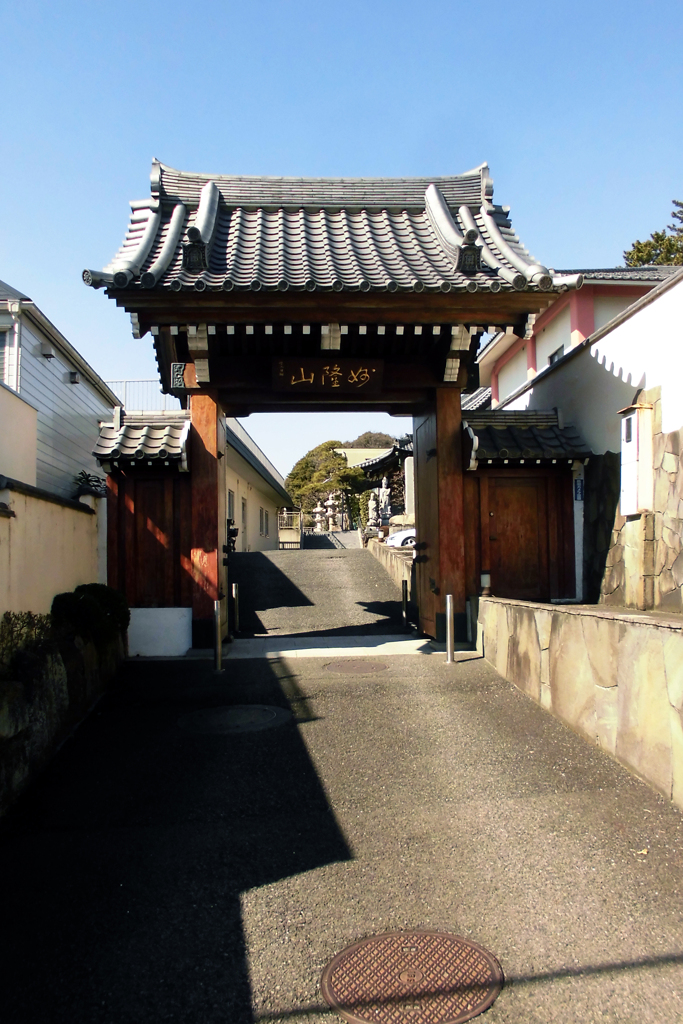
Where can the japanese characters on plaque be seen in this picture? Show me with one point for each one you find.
(328, 375)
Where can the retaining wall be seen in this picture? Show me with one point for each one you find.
(398, 562)
(616, 678)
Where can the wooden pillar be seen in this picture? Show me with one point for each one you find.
(204, 554)
(440, 562)
(451, 508)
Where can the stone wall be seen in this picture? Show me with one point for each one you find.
(38, 711)
(615, 678)
(644, 565)
(398, 562)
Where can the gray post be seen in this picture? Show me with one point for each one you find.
(404, 603)
(218, 652)
(236, 599)
(449, 629)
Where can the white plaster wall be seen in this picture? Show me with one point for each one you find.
(45, 549)
(243, 481)
(587, 396)
(647, 350)
(558, 332)
(18, 436)
(160, 632)
(512, 375)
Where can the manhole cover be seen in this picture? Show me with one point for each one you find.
(412, 978)
(238, 718)
(356, 666)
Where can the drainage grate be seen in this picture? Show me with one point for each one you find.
(238, 718)
(419, 977)
(356, 666)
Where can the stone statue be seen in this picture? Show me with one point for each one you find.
(372, 511)
(385, 498)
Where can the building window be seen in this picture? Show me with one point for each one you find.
(260, 522)
(266, 531)
(554, 356)
(231, 505)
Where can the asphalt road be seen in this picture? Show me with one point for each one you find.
(326, 592)
(153, 874)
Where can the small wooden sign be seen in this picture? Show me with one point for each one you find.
(328, 376)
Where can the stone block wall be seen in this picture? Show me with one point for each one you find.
(39, 711)
(617, 679)
(644, 565)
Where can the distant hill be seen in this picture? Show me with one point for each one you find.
(371, 439)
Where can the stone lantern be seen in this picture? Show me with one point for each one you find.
(331, 506)
(319, 514)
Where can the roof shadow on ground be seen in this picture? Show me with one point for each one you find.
(128, 856)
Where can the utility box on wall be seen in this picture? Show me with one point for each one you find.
(637, 471)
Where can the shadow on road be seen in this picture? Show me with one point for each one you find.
(123, 865)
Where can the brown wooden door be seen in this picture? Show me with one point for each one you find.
(518, 535)
(149, 538)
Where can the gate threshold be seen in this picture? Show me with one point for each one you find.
(334, 646)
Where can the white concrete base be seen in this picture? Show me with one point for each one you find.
(164, 632)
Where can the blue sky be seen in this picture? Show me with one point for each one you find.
(576, 108)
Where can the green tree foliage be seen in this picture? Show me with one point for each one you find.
(661, 249)
(370, 439)
(320, 471)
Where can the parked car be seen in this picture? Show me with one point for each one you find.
(402, 539)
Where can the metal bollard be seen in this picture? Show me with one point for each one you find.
(404, 603)
(449, 629)
(218, 640)
(236, 600)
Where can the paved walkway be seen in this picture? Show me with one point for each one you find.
(328, 592)
(154, 874)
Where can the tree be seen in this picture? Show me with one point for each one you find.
(661, 249)
(320, 471)
(371, 439)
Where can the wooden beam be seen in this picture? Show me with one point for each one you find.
(245, 307)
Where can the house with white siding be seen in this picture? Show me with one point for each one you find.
(39, 365)
(52, 535)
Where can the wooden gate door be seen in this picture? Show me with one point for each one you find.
(518, 532)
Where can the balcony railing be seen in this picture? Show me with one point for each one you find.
(143, 396)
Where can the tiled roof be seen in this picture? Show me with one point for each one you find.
(222, 232)
(523, 436)
(476, 400)
(625, 275)
(152, 439)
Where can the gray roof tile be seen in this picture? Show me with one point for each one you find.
(155, 440)
(319, 233)
(524, 436)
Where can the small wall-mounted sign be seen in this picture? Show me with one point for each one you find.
(177, 375)
(578, 489)
(328, 376)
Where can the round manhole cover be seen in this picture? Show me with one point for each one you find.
(356, 666)
(412, 978)
(238, 718)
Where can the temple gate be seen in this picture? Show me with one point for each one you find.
(274, 294)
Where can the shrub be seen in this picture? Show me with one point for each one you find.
(82, 615)
(24, 638)
(112, 601)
